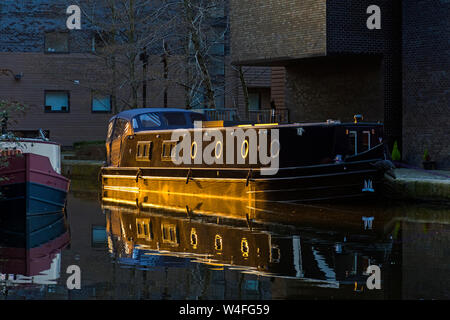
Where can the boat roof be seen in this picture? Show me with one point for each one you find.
(130, 114)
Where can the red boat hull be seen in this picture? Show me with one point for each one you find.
(31, 185)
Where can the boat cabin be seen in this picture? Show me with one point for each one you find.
(133, 121)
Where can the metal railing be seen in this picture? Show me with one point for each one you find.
(254, 116)
(269, 116)
(220, 114)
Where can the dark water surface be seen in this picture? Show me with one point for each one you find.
(274, 251)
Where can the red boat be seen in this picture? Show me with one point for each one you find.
(30, 177)
(34, 262)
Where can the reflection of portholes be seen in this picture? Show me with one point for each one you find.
(244, 247)
(194, 238)
(218, 150)
(193, 150)
(275, 254)
(244, 149)
(277, 148)
(218, 242)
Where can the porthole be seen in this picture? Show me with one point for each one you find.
(194, 238)
(218, 149)
(244, 149)
(218, 242)
(245, 247)
(275, 145)
(193, 150)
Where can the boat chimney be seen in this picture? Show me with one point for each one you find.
(358, 118)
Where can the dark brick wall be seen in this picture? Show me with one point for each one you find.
(426, 81)
(362, 69)
(347, 34)
(335, 88)
(265, 30)
(24, 23)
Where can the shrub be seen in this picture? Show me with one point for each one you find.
(396, 156)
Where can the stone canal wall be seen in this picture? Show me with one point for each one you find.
(411, 184)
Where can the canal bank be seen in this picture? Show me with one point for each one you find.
(84, 175)
(418, 185)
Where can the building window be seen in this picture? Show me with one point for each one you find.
(254, 101)
(99, 237)
(101, 102)
(57, 101)
(57, 42)
(100, 40)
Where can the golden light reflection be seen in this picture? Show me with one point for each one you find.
(194, 238)
(245, 247)
(218, 243)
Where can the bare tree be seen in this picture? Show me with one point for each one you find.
(124, 31)
(184, 34)
(194, 38)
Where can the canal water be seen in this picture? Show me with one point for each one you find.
(271, 251)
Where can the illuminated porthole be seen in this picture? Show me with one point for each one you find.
(193, 150)
(245, 247)
(218, 243)
(275, 147)
(244, 149)
(194, 238)
(218, 149)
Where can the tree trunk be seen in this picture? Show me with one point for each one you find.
(199, 57)
(245, 90)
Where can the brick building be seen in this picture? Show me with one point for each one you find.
(337, 65)
(426, 80)
(53, 71)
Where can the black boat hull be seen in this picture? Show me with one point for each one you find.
(202, 188)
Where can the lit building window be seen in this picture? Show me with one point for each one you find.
(57, 101)
(101, 102)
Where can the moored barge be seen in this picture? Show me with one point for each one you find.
(166, 154)
(31, 182)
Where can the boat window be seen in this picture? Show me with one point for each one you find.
(110, 129)
(135, 124)
(169, 234)
(144, 229)
(168, 150)
(366, 140)
(353, 142)
(195, 116)
(149, 121)
(120, 128)
(275, 254)
(144, 151)
(175, 118)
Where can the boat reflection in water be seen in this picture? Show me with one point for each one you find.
(246, 241)
(30, 247)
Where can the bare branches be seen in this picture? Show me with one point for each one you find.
(184, 34)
